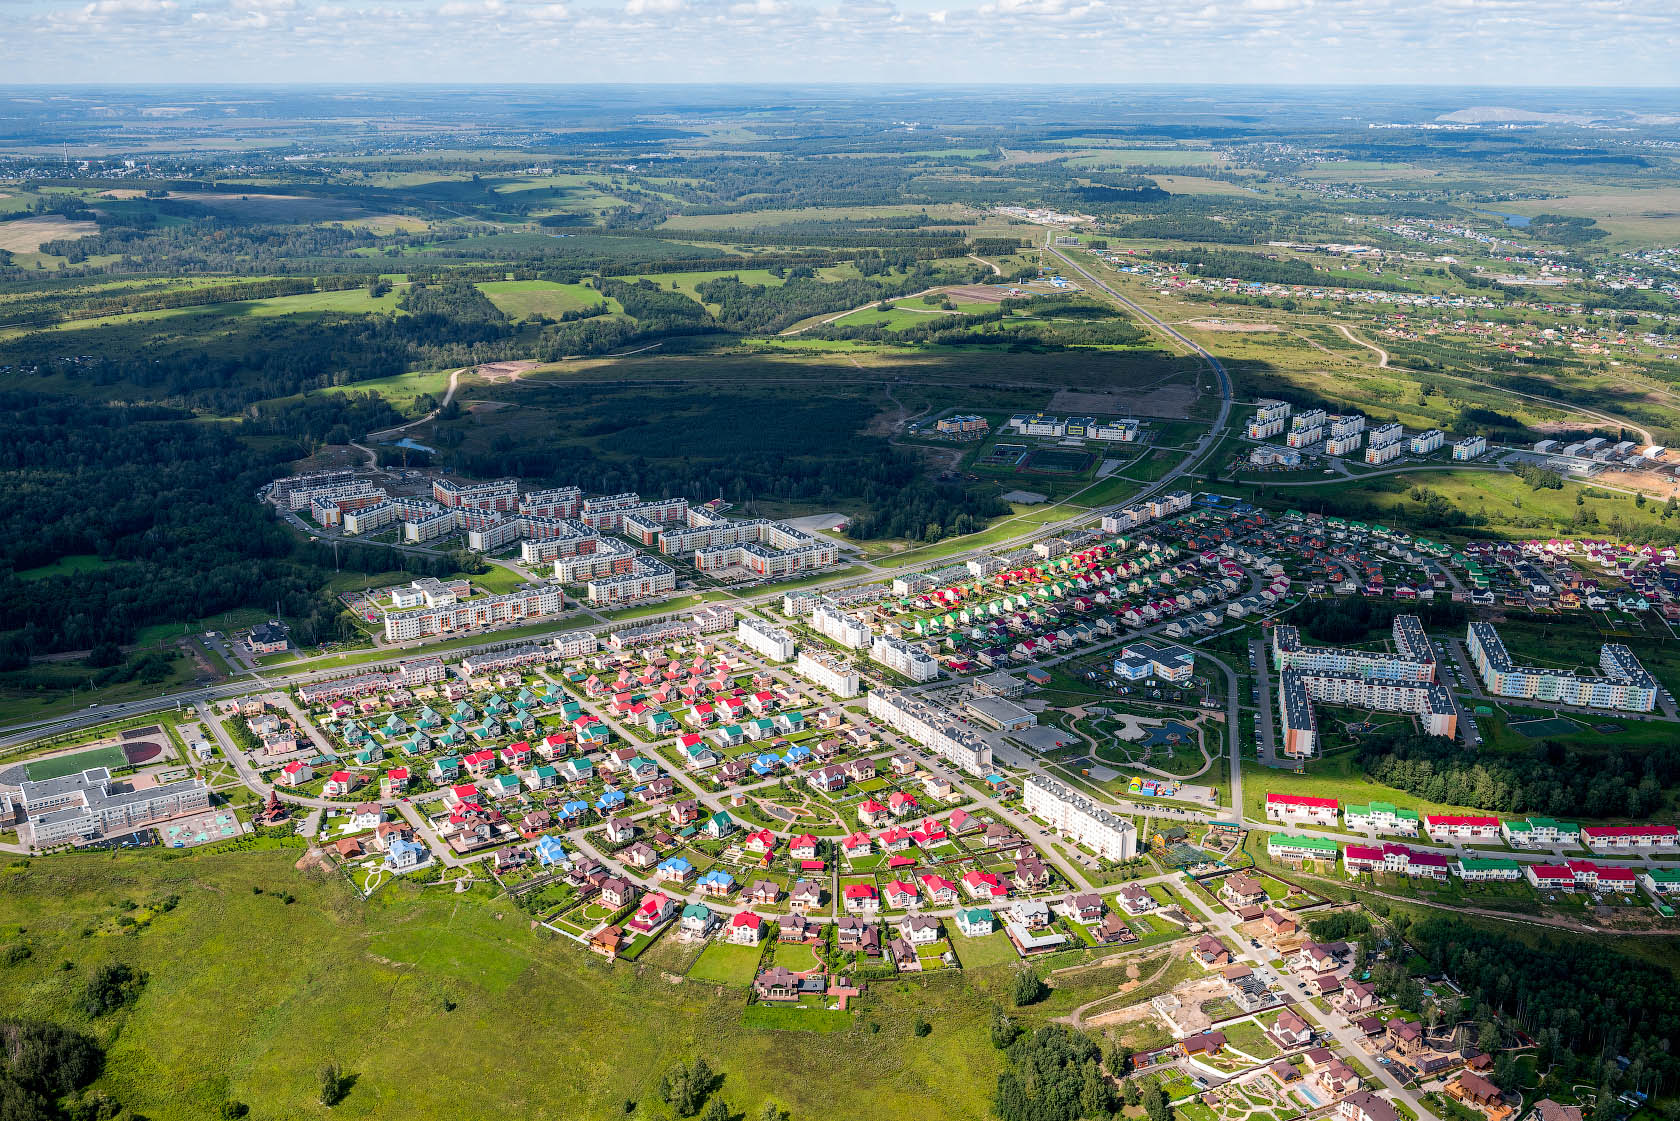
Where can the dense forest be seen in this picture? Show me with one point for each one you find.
(44, 1071)
(1552, 779)
(166, 505)
(1584, 1003)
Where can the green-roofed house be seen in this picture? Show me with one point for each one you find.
(1296, 849)
(1477, 869)
(975, 922)
(1659, 882)
(1382, 818)
(719, 824)
(1540, 833)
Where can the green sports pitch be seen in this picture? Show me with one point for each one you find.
(77, 761)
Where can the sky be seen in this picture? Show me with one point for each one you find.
(1473, 42)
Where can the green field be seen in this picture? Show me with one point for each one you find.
(726, 964)
(897, 319)
(76, 762)
(65, 566)
(522, 299)
(249, 996)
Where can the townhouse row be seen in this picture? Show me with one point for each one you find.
(1533, 833)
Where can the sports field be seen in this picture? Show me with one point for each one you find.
(60, 765)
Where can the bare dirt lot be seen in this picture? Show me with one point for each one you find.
(26, 235)
(1230, 325)
(494, 372)
(1164, 401)
(979, 293)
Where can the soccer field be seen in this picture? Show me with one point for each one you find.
(61, 765)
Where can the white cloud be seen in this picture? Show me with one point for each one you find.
(652, 7)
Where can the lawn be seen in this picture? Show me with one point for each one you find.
(522, 299)
(725, 964)
(1247, 1037)
(65, 566)
(463, 974)
(978, 953)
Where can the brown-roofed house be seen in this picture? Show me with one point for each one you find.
(1242, 890)
(1279, 922)
(1203, 1043)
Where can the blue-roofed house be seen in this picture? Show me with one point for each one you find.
(611, 800)
(716, 882)
(573, 810)
(402, 855)
(551, 852)
(674, 869)
(798, 753)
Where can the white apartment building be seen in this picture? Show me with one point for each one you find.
(1625, 685)
(836, 675)
(1385, 434)
(829, 621)
(1265, 429)
(766, 638)
(1387, 453)
(369, 519)
(904, 658)
(935, 728)
(1076, 816)
(1349, 425)
(527, 602)
(1343, 445)
(1304, 437)
(1425, 442)
(610, 557)
(1470, 447)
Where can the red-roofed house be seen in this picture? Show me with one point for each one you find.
(803, 847)
(1619, 838)
(745, 929)
(1449, 827)
(340, 783)
(861, 898)
(900, 894)
(1299, 807)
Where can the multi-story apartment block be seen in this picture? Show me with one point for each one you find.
(1385, 434)
(766, 638)
(828, 620)
(765, 561)
(483, 665)
(305, 497)
(562, 537)
(1265, 429)
(647, 577)
(1625, 685)
(1130, 517)
(561, 502)
(963, 427)
(1351, 424)
(904, 658)
(1298, 691)
(607, 558)
(1387, 453)
(1413, 658)
(1076, 816)
(285, 492)
(88, 806)
(1470, 447)
(1304, 437)
(836, 675)
(608, 514)
(424, 525)
(1312, 418)
(935, 728)
(1268, 409)
(369, 519)
(1343, 445)
(499, 496)
(525, 602)
(1425, 442)
(406, 675)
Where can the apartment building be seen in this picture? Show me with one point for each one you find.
(560, 537)
(963, 426)
(836, 675)
(369, 519)
(1387, 453)
(483, 665)
(904, 658)
(1304, 437)
(608, 514)
(1385, 434)
(1470, 447)
(525, 602)
(647, 578)
(1269, 409)
(1130, 517)
(766, 638)
(560, 502)
(1425, 442)
(763, 560)
(607, 557)
(85, 807)
(1299, 691)
(828, 620)
(1343, 445)
(1625, 685)
(1413, 658)
(1265, 429)
(1075, 816)
(286, 492)
(499, 496)
(935, 728)
(1341, 427)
